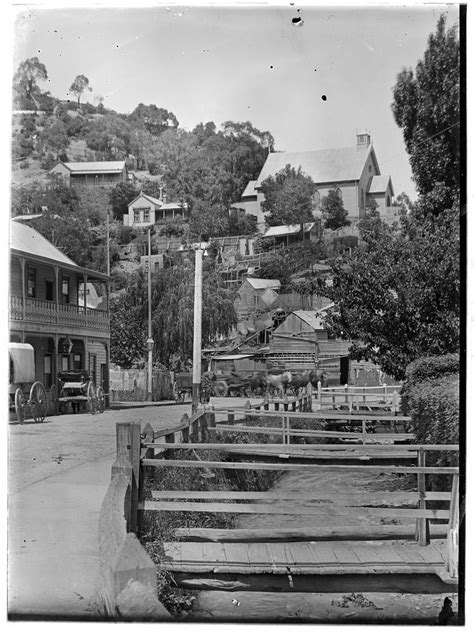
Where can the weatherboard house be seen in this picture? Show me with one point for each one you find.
(92, 174)
(146, 210)
(353, 172)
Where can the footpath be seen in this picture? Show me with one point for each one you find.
(53, 544)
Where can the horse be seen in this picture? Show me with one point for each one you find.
(257, 383)
(278, 382)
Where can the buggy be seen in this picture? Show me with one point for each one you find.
(76, 388)
(22, 381)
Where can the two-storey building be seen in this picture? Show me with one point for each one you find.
(58, 307)
(353, 172)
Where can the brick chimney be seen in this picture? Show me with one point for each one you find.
(363, 141)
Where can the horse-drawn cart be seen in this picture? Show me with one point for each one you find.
(182, 386)
(22, 381)
(78, 390)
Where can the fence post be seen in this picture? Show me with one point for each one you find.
(265, 402)
(453, 529)
(128, 462)
(423, 535)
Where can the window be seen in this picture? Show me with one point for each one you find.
(339, 193)
(65, 289)
(388, 200)
(49, 290)
(64, 363)
(31, 282)
(146, 215)
(136, 215)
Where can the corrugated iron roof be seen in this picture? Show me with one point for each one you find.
(262, 284)
(379, 184)
(97, 167)
(311, 318)
(250, 189)
(27, 240)
(290, 229)
(323, 165)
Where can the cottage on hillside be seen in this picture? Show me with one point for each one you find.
(352, 172)
(145, 211)
(291, 233)
(92, 174)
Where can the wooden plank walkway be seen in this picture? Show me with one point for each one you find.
(305, 558)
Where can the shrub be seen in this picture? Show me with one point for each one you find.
(431, 367)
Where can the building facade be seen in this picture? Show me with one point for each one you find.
(353, 172)
(92, 174)
(145, 211)
(58, 307)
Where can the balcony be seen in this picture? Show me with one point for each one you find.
(49, 312)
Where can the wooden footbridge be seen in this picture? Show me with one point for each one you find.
(307, 537)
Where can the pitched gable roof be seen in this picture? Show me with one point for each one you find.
(290, 229)
(250, 189)
(27, 240)
(262, 284)
(323, 165)
(379, 184)
(114, 166)
(151, 199)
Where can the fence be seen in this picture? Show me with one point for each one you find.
(131, 385)
(360, 397)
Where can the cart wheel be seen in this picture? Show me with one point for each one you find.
(38, 402)
(100, 399)
(20, 405)
(92, 401)
(221, 389)
(54, 400)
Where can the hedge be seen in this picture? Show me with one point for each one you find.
(431, 367)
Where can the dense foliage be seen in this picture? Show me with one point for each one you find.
(288, 197)
(427, 107)
(334, 213)
(172, 314)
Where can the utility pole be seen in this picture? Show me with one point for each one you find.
(150, 341)
(197, 330)
(106, 385)
(108, 242)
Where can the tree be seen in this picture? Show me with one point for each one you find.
(120, 197)
(25, 82)
(426, 106)
(54, 138)
(155, 120)
(397, 298)
(334, 213)
(288, 197)
(80, 83)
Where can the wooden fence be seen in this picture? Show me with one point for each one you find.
(129, 582)
(360, 397)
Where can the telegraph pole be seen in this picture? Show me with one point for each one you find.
(150, 341)
(197, 329)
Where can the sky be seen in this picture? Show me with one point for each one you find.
(313, 86)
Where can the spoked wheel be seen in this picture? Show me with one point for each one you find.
(178, 393)
(20, 403)
(92, 398)
(54, 400)
(100, 400)
(38, 402)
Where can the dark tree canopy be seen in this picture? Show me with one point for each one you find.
(426, 106)
(398, 298)
(334, 213)
(288, 197)
(120, 197)
(155, 120)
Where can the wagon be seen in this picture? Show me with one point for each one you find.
(231, 384)
(77, 389)
(26, 394)
(182, 386)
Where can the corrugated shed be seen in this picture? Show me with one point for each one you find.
(323, 165)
